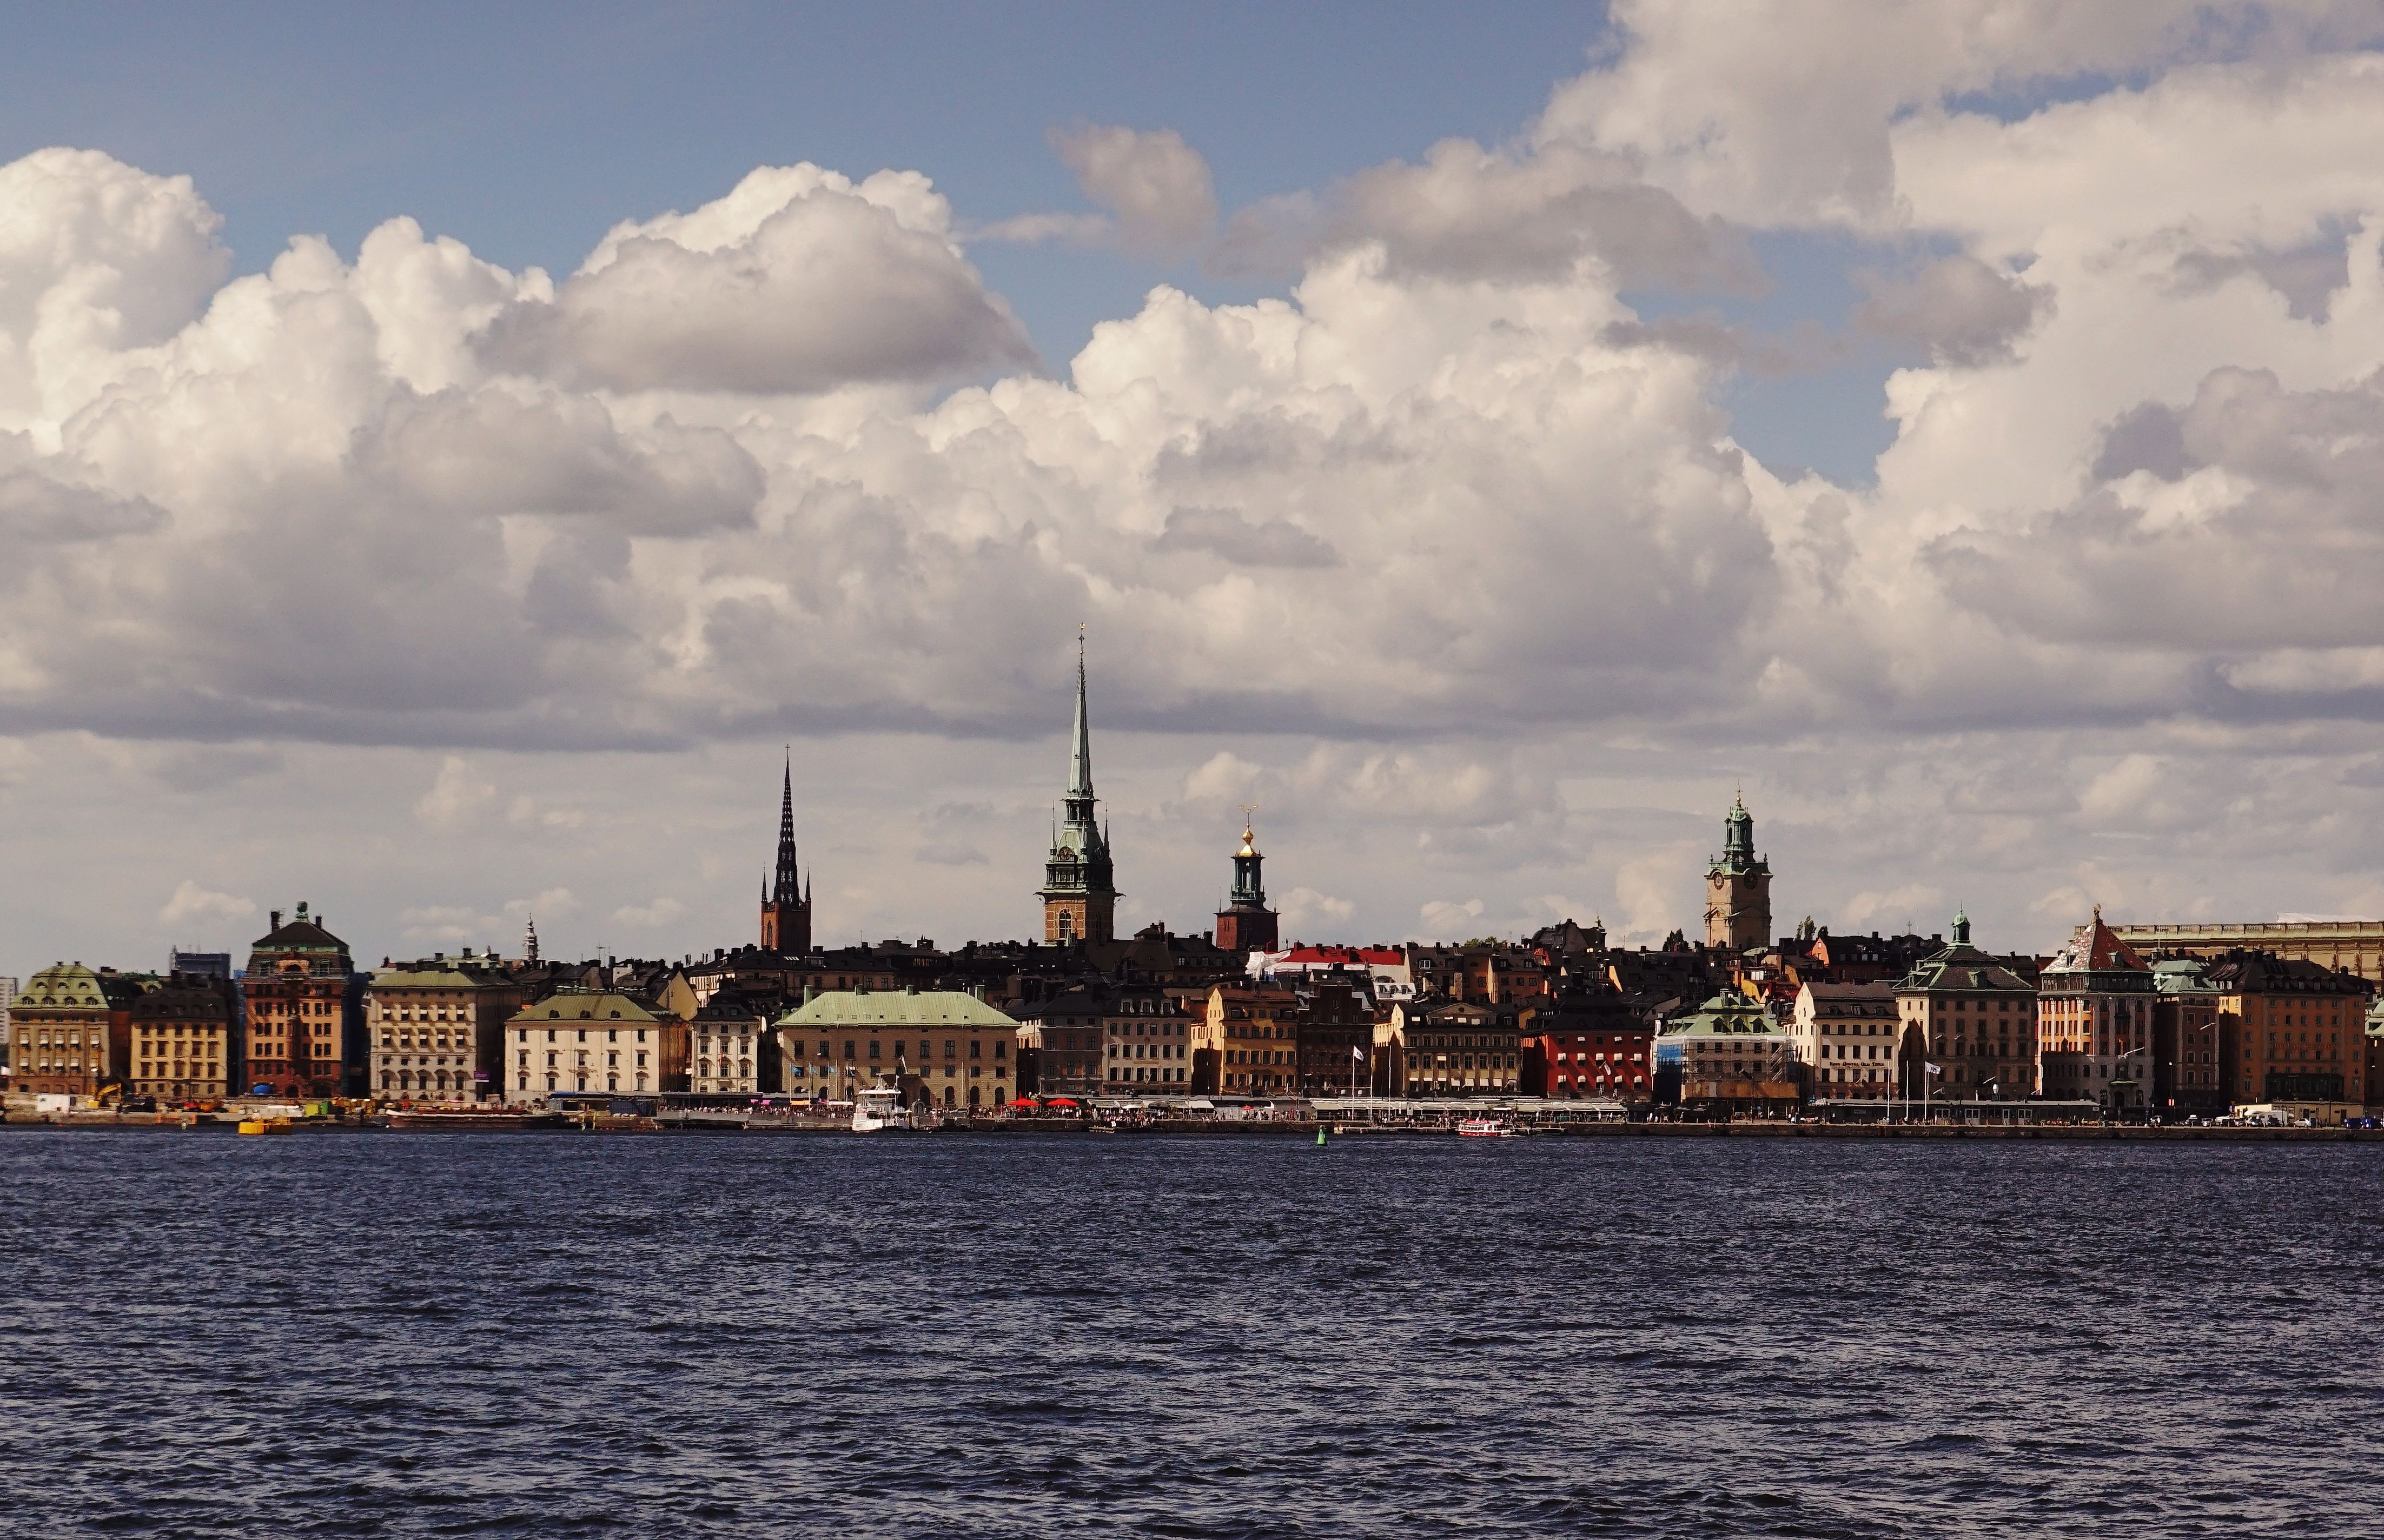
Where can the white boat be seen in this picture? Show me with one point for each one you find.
(1484, 1128)
(878, 1107)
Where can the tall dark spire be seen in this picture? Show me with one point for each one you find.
(788, 887)
(1079, 894)
(786, 897)
(1080, 757)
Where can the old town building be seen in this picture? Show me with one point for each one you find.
(1976, 1020)
(1064, 1038)
(1080, 889)
(1335, 1032)
(2344, 946)
(1253, 1032)
(1246, 924)
(1738, 888)
(2292, 1032)
(1458, 1048)
(2188, 1078)
(1845, 1035)
(300, 1004)
(593, 1042)
(2093, 1015)
(786, 893)
(436, 1028)
(184, 1039)
(735, 1047)
(1728, 1057)
(1148, 1033)
(940, 1047)
(71, 1027)
(1587, 1043)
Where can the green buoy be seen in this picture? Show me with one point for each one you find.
(1319, 1137)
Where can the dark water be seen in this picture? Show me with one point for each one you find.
(526, 1335)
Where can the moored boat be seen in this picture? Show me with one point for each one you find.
(264, 1125)
(1484, 1128)
(878, 1107)
(470, 1121)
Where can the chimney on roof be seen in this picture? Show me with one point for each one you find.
(276, 919)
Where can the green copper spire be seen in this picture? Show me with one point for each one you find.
(1080, 758)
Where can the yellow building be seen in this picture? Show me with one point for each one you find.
(70, 1036)
(944, 1048)
(182, 1036)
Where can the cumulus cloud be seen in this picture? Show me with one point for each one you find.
(799, 280)
(192, 903)
(1964, 311)
(660, 913)
(1155, 186)
(455, 797)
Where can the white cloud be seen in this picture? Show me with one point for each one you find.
(1320, 916)
(1152, 184)
(193, 904)
(799, 279)
(660, 913)
(457, 796)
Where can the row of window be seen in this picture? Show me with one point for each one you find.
(926, 1049)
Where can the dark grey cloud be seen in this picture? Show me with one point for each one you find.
(1229, 533)
(1964, 311)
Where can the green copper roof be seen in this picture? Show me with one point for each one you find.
(1725, 1015)
(63, 984)
(895, 1008)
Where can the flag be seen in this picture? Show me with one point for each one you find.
(1934, 1070)
(1356, 1051)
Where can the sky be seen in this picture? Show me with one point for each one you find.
(450, 457)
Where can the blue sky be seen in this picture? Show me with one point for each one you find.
(525, 132)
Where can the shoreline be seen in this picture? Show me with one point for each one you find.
(2079, 1134)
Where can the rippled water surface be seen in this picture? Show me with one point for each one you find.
(390, 1333)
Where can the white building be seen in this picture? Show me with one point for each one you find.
(1845, 1036)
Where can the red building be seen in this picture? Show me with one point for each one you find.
(1587, 1046)
(301, 1032)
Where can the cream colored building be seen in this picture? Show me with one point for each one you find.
(1845, 1035)
(944, 1048)
(584, 1042)
(436, 1030)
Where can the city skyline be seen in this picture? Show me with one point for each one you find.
(1485, 449)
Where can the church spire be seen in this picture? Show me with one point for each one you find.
(786, 897)
(1080, 757)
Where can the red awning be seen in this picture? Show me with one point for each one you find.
(1059, 1101)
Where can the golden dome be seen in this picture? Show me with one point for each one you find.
(1248, 847)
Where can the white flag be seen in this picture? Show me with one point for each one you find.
(1356, 1051)
(1934, 1070)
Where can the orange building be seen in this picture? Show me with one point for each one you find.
(2292, 1032)
(299, 995)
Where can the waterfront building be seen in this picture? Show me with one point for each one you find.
(1845, 1034)
(1079, 890)
(1459, 1047)
(786, 894)
(2296, 1030)
(1064, 1039)
(2188, 1077)
(1385, 969)
(436, 1028)
(1729, 1056)
(1738, 888)
(299, 1000)
(1246, 924)
(2094, 1012)
(943, 1047)
(72, 1030)
(1147, 1031)
(1252, 1030)
(8, 1037)
(2347, 946)
(735, 1040)
(579, 1041)
(1587, 1043)
(1976, 1021)
(184, 1037)
(1334, 1031)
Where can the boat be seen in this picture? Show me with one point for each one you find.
(468, 1120)
(1484, 1128)
(875, 1107)
(264, 1125)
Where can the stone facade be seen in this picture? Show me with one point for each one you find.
(2094, 1017)
(1845, 1035)
(582, 1041)
(301, 1033)
(436, 1030)
(941, 1047)
(1738, 888)
(1963, 1012)
(184, 1039)
(71, 1031)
